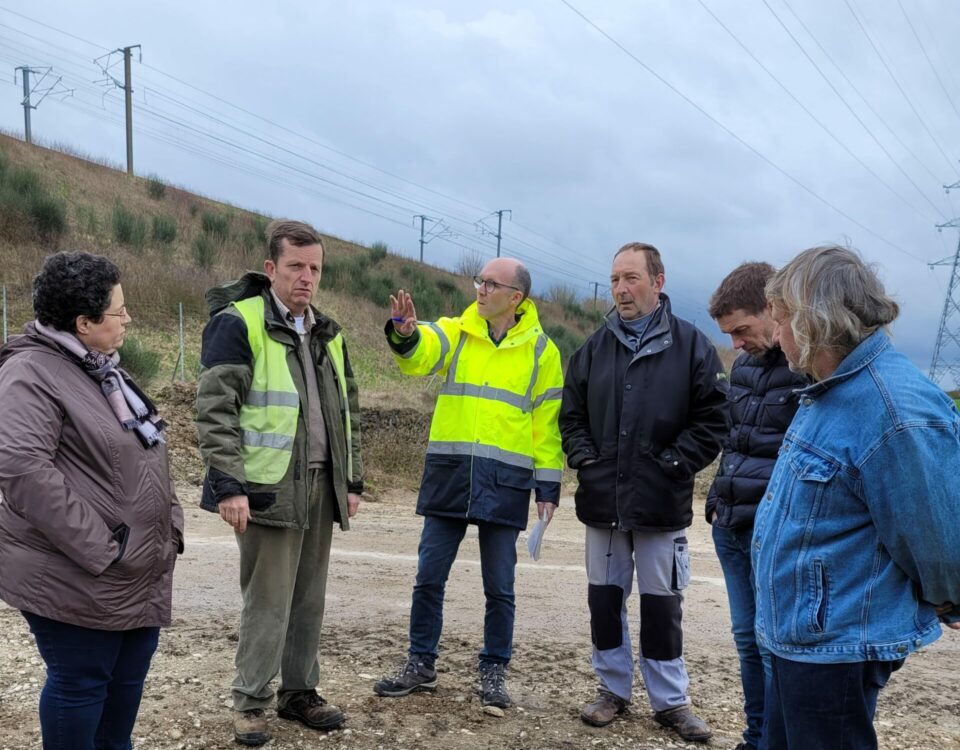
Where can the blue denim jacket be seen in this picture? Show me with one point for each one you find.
(859, 531)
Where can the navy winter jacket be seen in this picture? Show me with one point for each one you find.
(762, 405)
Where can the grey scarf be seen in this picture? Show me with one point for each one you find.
(131, 410)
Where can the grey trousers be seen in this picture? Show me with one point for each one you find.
(283, 580)
(662, 564)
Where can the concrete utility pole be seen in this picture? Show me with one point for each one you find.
(482, 228)
(26, 108)
(439, 229)
(127, 87)
(500, 214)
(422, 242)
(29, 90)
(128, 95)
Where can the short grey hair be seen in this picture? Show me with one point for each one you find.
(832, 300)
(522, 277)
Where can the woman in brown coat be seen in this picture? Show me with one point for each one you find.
(89, 523)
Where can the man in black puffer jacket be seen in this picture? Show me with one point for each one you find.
(642, 413)
(762, 404)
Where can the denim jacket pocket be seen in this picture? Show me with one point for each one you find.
(813, 475)
(817, 620)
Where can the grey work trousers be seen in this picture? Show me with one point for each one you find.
(283, 580)
(662, 563)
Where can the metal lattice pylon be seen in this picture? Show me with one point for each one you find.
(946, 354)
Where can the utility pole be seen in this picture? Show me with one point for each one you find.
(439, 229)
(29, 90)
(422, 241)
(26, 105)
(500, 214)
(127, 87)
(946, 353)
(596, 287)
(128, 94)
(482, 228)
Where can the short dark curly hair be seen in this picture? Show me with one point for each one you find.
(73, 284)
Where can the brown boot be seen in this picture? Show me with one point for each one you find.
(603, 710)
(250, 727)
(686, 723)
(312, 710)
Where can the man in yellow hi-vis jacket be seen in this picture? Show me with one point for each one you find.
(493, 439)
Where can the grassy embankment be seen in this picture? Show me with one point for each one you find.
(171, 245)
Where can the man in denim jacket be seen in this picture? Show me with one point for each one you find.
(856, 545)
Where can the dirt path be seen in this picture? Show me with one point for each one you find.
(372, 570)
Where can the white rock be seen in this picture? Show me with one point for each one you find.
(493, 711)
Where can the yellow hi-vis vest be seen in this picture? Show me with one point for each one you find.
(268, 417)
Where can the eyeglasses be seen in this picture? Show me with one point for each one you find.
(490, 285)
(122, 314)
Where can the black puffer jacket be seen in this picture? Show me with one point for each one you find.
(650, 419)
(762, 405)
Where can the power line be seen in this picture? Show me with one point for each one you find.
(276, 125)
(909, 101)
(857, 91)
(929, 61)
(847, 105)
(823, 126)
(735, 136)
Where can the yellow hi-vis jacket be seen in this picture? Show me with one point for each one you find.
(494, 435)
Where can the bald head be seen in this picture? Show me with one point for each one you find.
(509, 271)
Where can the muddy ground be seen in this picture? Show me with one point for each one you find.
(187, 693)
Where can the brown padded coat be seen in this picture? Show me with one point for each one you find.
(69, 474)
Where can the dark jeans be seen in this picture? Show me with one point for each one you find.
(733, 550)
(94, 683)
(439, 542)
(824, 706)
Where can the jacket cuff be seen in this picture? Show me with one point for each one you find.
(222, 485)
(399, 344)
(548, 492)
(355, 487)
(576, 459)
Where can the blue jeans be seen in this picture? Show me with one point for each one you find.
(439, 542)
(94, 683)
(824, 706)
(733, 549)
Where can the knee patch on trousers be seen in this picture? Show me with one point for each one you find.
(606, 604)
(661, 632)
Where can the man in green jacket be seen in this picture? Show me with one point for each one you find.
(278, 421)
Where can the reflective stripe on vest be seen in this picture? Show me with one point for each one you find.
(268, 417)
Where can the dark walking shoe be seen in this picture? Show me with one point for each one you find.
(312, 711)
(413, 677)
(493, 686)
(250, 727)
(684, 722)
(604, 709)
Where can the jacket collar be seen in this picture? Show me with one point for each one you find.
(659, 326)
(865, 352)
(527, 326)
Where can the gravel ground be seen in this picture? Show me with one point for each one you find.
(187, 693)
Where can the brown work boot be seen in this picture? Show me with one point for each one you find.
(250, 727)
(603, 710)
(686, 723)
(312, 710)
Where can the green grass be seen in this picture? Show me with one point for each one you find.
(215, 225)
(206, 252)
(164, 229)
(156, 188)
(141, 362)
(27, 207)
(129, 229)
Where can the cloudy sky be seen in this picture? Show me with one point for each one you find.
(718, 130)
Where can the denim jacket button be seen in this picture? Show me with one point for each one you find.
(901, 649)
(918, 643)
